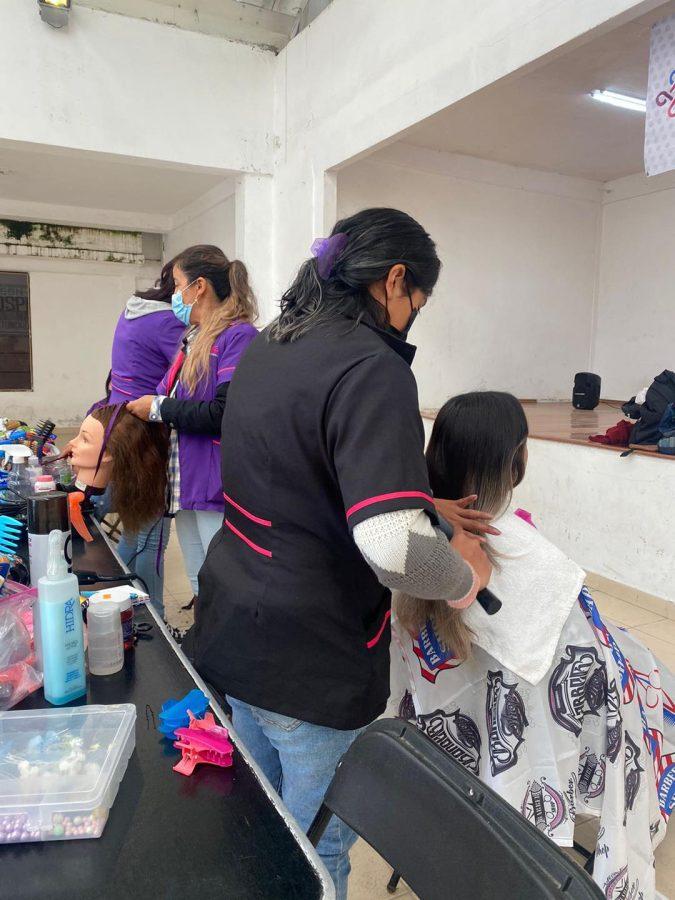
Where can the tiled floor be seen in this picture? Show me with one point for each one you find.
(651, 619)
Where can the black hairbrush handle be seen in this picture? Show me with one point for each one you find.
(490, 603)
(43, 432)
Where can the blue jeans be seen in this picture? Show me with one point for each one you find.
(139, 551)
(300, 759)
(195, 529)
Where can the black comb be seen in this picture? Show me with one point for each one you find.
(43, 432)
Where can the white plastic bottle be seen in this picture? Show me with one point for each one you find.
(59, 626)
(19, 479)
(105, 645)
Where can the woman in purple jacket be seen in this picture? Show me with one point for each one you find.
(146, 339)
(214, 297)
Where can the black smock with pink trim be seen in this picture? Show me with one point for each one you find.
(318, 435)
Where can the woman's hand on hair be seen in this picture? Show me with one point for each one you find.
(141, 407)
(459, 515)
(470, 548)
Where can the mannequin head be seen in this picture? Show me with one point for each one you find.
(133, 462)
(85, 451)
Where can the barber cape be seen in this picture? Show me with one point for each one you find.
(560, 715)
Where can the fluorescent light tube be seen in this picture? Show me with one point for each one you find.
(637, 104)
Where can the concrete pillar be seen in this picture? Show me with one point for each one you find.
(254, 238)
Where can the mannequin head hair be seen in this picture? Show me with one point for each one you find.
(139, 452)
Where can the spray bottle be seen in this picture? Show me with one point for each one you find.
(58, 631)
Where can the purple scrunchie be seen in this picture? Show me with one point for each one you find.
(327, 251)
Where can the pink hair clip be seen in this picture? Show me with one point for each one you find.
(203, 742)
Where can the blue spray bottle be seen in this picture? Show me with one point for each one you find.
(58, 631)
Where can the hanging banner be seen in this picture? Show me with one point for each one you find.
(660, 124)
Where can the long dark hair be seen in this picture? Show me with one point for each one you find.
(229, 280)
(377, 239)
(164, 286)
(477, 446)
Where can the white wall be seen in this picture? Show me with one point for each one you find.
(635, 319)
(74, 307)
(512, 308)
(364, 71)
(612, 515)
(214, 225)
(118, 85)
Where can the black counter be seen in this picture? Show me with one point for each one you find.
(217, 833)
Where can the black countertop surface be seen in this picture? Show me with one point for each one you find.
(214, 834)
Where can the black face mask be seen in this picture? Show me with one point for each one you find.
(409, 324)
(403, 332)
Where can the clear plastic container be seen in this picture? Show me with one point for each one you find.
(60, 770)
(106, 645)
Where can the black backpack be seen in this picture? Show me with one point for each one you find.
(659, 395)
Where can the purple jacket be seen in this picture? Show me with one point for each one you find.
(199, 454)
(146, 339)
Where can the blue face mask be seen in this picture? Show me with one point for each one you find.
(180, 309)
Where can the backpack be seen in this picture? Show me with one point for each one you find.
(667, 429)
(661, 393)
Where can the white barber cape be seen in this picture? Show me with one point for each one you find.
(554, 712)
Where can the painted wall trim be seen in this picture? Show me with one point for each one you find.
(485, 171)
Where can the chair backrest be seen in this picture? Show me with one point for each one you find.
(443, 830)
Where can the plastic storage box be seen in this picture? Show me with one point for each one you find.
(60, 770)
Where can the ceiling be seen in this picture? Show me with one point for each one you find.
(266, 23)
(87, 180)
(545, 118)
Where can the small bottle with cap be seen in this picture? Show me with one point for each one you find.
(126, 610)
(43, 484)
(105, 647)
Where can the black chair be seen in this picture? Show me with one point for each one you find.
(439, 827)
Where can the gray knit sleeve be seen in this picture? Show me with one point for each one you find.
(407, 553)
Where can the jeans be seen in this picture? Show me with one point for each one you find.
(139, 551)
(300, 759)
(142, 554)
(102, 503)
(195, 528)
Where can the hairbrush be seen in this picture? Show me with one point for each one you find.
(10, 534)
(43, 433)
